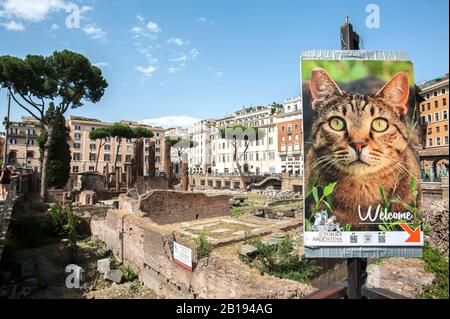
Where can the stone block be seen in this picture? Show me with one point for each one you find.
(248, 251)
(115, 275)
(104, 265)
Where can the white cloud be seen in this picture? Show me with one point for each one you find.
(219, 75)
(173, 70)
(30, 10)
(180, 58)
(96, 33)
(140, 18)
(205, 20)
(172, 121)
(176, 41)
(14, 26)
(153, 27)
(146, 71)
(54, 27)
(195, 53)
(103, 65)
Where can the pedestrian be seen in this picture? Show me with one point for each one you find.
(5, 181)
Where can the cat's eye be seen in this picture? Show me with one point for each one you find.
(337, 124)
(380, 125)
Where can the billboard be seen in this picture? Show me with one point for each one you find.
(362, 169)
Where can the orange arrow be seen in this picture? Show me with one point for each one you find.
(414, 234)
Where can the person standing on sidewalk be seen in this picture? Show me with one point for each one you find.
(5, 181)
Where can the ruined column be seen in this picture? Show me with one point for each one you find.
(138, 155)
(117, 178)
(185, 173)
(129, 176)
(106, 174)
(167, 161)
(152, 159)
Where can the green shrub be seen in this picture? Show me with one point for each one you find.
(436, 262)
(281, 260)
(203, 247)
(128, 274)
(63, 221)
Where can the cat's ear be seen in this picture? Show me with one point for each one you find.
(322, 87)
(396, 92)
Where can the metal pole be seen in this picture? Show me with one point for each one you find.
(356, 267)
(6, 123)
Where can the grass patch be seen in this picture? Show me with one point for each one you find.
(436, 262)
(128, 274)
(281, 260)
(236, 212)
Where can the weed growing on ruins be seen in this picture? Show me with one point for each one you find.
(63, 221)
(203, 247)
(128, 274)
(437, 263)
(281, 260)
(236, 212)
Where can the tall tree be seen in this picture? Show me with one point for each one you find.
(119, 132)
(64, 79)
(235, 136)
(101, 135)
(180, 145)
(59, 149)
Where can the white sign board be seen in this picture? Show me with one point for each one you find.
(182, 256)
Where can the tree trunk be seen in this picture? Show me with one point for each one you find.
(117, 154)
(98, 155)
(238, 166)
(44, 170)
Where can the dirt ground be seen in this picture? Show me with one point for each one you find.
(49, 264)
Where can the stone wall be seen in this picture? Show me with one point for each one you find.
(146, 184)
(291, 183)
(148, 248)
(168, 207)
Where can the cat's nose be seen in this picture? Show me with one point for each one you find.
(358, 146)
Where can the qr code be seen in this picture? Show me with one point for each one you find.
(353, 239)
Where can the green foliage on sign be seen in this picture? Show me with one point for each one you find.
(436, 262)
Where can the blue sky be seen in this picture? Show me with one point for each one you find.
(171, 62)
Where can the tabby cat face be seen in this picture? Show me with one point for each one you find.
(359, 134)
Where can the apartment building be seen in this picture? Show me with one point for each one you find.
(434, 121)
(23, 146)
(434, 113)
(85, 151)
(215, 155)
(290, 137)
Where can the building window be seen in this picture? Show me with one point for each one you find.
(76, 156)
(107, 147)
(436, 117)
(77, 136)
(30, 154)
(75, 169)
(158, 159)
(443, 91)
(438, 129)
(158, 150)
(436, 104)
(435, 93)
(13, 141)
(91, 168)
(429, 118)
(92, 157)
(423, 107)
(77, 128)
(446, 140)
(30, 142)
(119, 157)
(446, 128)
(430, 142)
(444, 102)
(13, 130)
(128, 158)
(445, 115)
(93, 147)
(76, 146)
(438, 141)
(429, 106)
(106, 157)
